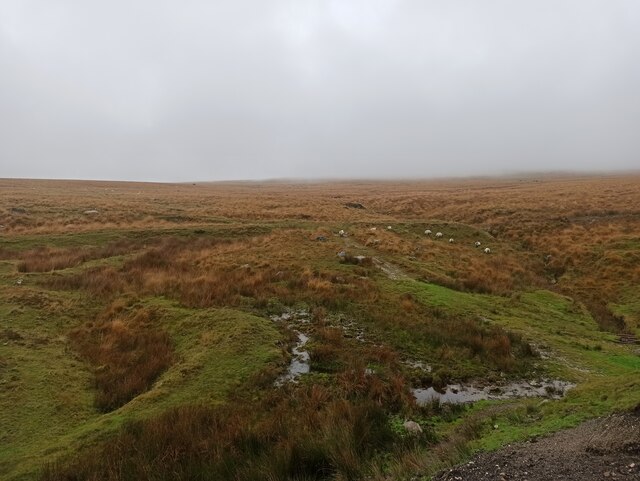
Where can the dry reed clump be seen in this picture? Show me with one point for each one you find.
(6, 254)
(328, 352)
(101, 282)
(332, 352)
(128, 351)
(497, 275)
(44, 259)
(457, 338)
(491, 344)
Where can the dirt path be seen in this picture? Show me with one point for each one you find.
(392, 271)
(601, 449)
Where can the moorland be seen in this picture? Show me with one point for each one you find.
(148, 331)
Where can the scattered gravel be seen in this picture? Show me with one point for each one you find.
(601, 449)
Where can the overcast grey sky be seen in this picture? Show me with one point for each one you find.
(252, 89)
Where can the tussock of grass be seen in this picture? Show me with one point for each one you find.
(44, 259)
(128, 352)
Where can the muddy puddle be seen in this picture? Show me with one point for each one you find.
(299, 361)
(301, 316)
(350, 330)
(419, 365)
(460, 394)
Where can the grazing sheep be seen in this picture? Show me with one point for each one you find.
(478, 243)
(342, 233)
(439, 235)
(373, 229)
(451, 240)
(427, 232)
(389, 227)
(487, 250)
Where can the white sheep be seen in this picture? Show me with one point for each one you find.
(487, 250)
(451, 240)
(389, 227)
(438, 235)
(427, 232)
(478, 243)
(342, 233)
(373, 229)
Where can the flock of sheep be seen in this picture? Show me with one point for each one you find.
(439, 235)
(427, 232)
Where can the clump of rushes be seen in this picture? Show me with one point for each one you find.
(128, 351)
(45, 259)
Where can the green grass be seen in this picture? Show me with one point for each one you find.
(608, 374)
(629, 307)
(46, 400)
(527, 418)
(546, 319)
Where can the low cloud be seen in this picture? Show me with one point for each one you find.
(200, 90)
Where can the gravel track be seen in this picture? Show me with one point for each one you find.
(600, 449)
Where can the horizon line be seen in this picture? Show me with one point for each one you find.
(323, 180)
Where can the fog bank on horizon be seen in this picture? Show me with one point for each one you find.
(361, 89)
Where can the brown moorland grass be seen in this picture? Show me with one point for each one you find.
(206, 273)
(255, 247)
(508, 206)
(44, 258)
(128, 350)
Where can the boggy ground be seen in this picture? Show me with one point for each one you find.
(600, 449)
(137, 338)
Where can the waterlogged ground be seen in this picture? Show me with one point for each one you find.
(461, 394)
(452, 394)
(299, 364)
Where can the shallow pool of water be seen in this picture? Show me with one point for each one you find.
(299, 361)
(460, 394)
